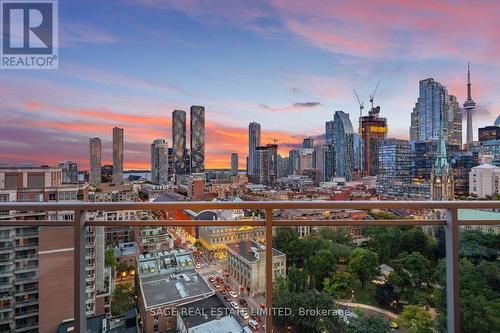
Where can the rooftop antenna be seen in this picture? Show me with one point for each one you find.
(372, 96)
(360, 132)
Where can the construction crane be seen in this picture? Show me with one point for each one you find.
(361, 104)
(360, 132)
(372, 96)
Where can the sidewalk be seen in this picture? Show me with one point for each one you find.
(371, 308)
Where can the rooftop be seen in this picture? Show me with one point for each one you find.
(207, 309)
(165, 289)
(126, 249)
(225, 324)
(251, 250)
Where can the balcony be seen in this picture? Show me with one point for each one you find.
(451, 224)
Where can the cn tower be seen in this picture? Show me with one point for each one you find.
(469, 106)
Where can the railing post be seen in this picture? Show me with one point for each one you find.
(269, 270)
(452, 272)
(80, 323)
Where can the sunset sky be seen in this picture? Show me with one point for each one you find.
(287, 64)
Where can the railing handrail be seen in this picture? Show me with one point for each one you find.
(451, 223)
(201, 205)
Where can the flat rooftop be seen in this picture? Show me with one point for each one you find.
(167, 288)
(126, 249)
(225, 324)
(247, 250)
(207, 310)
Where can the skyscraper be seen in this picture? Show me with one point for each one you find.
(469, 106)
(427, 113)
(374, 132)
(344, 151)
(159, 161)
(234, 164)
(95, 161)
(323, 162)
(179, 142)
(253, 143)
(267, 163)
(117, 156)
(395, 167)
(454, 122)
(308, 142)
(197, 139)
(329, 132)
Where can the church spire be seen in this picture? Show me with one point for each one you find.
(441, 163)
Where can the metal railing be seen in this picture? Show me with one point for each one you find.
(450, 223)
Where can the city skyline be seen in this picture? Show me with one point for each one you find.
(310, 72)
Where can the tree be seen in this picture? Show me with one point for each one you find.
(415, 266)
(338, 285)
(386, 242)
(412, 274)
(339, 235)
(123, 299)
(371, 324)
(416, 240)
(364, 264)
(284, 236)
(417, 319)
(386, 296)
(109, 258)
(320, 266)
(297, 279)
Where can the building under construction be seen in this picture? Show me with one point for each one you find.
(373, 132)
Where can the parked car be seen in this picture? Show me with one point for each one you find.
(228, 287)
(244, 314)
(243, 302)
(256, 317)
(254, 325)
(235, 305)
(211, 279)
(233, 294)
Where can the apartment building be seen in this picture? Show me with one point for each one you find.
(36, 264)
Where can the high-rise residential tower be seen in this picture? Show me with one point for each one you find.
(469, 106)
(197, 139)
(344, 150)
(308, 142)
(117, 156)
(267, 163)
(426, 116)
(179, 142)
(95, 161)
(159, 161)
(234, 164)
(253, 143)
(329, 132)
(453, 122)
(323, 162)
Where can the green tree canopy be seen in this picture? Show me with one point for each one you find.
(364, 264)
(417, 319)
